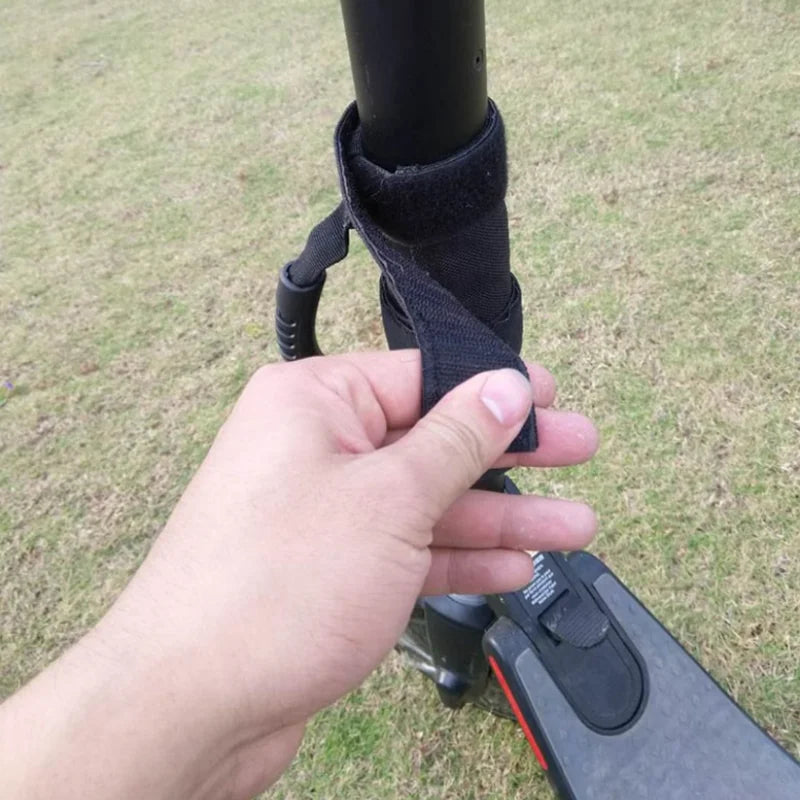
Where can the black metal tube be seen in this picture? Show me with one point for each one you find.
(419, 69)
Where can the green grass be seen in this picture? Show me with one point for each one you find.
(159, 163)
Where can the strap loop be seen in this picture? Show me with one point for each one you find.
(454, 342)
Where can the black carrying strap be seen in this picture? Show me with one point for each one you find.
(435, 231)
(327, 244)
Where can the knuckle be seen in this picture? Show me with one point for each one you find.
(458, 437)
(340, 376)
(453, 572)
(267, 375)
(271, 379)
(262, 377)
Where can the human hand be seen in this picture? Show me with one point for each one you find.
(291, 564)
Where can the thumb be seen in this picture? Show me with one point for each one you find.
(461, 437)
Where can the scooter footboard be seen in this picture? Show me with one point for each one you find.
(688, 738)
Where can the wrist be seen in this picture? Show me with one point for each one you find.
(170, 707)
(115, 720)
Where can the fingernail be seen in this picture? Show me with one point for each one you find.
(507, 394)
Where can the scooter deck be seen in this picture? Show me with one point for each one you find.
(687, 739)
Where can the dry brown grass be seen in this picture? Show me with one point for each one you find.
(160, 162)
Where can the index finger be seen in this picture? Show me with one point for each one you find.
(395, 377)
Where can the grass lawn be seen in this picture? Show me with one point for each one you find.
(160, 162)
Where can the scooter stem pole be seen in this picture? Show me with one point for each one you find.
(419, 69)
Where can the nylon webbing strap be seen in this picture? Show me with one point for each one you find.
(454, 343)
(327, 244)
